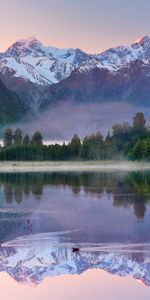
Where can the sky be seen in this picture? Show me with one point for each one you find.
(73, 287)
(90, 25)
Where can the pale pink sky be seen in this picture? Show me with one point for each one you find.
(90, 25)
(93, 284)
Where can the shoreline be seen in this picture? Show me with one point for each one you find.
(72, 166)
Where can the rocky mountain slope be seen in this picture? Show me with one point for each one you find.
(43, 75)
(32, 61)
(131, 84)
(12, 108)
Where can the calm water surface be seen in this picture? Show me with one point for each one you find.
(44, 215)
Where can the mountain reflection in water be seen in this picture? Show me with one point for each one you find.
(44, 215)
(30, 259)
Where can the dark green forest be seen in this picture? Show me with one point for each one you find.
(124, 142)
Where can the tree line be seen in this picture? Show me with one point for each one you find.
(125, 141)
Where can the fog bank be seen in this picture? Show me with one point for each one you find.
(62, 121)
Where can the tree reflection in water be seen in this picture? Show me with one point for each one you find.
(125, 188)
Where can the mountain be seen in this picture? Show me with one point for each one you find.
(115, 58)
(12, 108)
(31, 264)
(42, 75)
(27, 67)
(131, 84)
(118, 74)
(32, 61)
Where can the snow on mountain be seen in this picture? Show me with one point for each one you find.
(30, 60)
(31, 264)
(44, 65)
(114, 59)
(23, 70)
(121, 55)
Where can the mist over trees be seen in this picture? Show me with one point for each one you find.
(125, 141)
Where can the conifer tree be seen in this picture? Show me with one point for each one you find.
(8, 137)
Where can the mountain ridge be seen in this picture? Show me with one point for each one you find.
(42, 75)
(45, 65)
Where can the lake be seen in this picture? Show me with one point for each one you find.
(43, 216)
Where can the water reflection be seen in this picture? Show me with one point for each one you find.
(30, 259)
(128, 189)
(44, 215)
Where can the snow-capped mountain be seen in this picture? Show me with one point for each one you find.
(114, 59)
(130, 84)
(31, 264)
(43, 75)
(32, 61)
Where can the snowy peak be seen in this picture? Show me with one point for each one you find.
(116, 58)
(143, 41)
(30, 60)
(25, 47)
